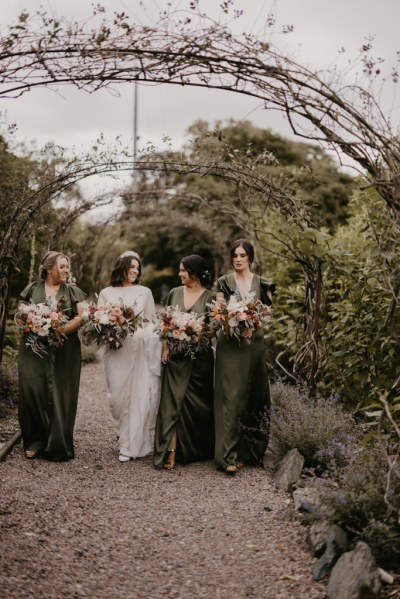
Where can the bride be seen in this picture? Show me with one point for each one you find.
(133, 371)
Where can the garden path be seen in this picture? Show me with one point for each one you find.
(95, 528)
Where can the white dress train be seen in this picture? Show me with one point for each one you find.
(133, 374)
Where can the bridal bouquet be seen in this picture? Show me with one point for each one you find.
(108, 324)
(185, 333)
(239, 319)
(40, 324)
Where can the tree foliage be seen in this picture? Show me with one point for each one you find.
(323, 107)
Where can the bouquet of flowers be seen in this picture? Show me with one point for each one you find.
(185, 333)
(108, 324)
(239, 319)
(40, 324)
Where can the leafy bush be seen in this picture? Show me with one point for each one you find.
(354, 498)
(359, 350)
(12, 335)
(9, 392)
(318, 427)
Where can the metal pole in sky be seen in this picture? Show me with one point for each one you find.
(135, 128)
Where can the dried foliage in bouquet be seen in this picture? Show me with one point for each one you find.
(109, 324)
(185, 333)
(40, 324)
(239, 318)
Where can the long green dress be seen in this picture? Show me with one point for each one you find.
(242, 399)
(49, 385)
(187, 398)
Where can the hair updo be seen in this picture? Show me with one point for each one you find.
(197, 268)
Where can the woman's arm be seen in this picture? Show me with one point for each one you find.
(164, 352)
(73, 325)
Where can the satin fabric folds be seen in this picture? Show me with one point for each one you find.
(49, 384)
(186, 404)
(242, 398)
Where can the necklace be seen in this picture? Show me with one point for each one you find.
(51, 290)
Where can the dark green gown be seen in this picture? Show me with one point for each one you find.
(242, 399)
(187, 398)
(49, 385)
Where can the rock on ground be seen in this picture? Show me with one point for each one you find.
(95, 528)
(355, 575)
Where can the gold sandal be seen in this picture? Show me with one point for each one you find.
(231, 469)
(170, 461)
(31, 454)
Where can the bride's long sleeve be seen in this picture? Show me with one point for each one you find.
(101, 300)
(149, 310)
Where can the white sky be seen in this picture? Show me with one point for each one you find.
(321, 27)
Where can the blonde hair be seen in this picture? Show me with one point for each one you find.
(50, 259)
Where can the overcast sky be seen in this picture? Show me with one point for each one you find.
(321, 27)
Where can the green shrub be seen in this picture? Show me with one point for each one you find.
(12, 335)
(9, 392)
(354, 498)
(318, 427)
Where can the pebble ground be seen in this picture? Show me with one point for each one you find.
(95, 528)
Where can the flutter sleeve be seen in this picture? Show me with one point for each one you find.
(26, 293)
(76, 295)
(168, 300)
(224, 287)
(267, 289)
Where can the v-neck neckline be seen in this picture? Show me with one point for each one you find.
(194, 303)
(57, 295)
(238, 290)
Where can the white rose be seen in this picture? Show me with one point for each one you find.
(104, 319)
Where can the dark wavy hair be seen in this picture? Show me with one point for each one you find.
(197, 268)
(49, 260)
(121, 269)
(246, 245)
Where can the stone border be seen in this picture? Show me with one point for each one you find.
(9, 445)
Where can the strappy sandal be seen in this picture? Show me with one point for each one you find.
(170, 461)
(31, 454)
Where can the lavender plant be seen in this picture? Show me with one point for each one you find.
(355, 497)
(318, 427)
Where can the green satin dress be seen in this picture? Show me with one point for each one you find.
(242, 398)
(49, 385)
(187, 398)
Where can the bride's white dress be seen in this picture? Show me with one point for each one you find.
(133, 374)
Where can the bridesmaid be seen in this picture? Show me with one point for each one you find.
(242, 400)
(49, 384)
(185, 421)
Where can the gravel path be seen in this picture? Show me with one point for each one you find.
(95, 528)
